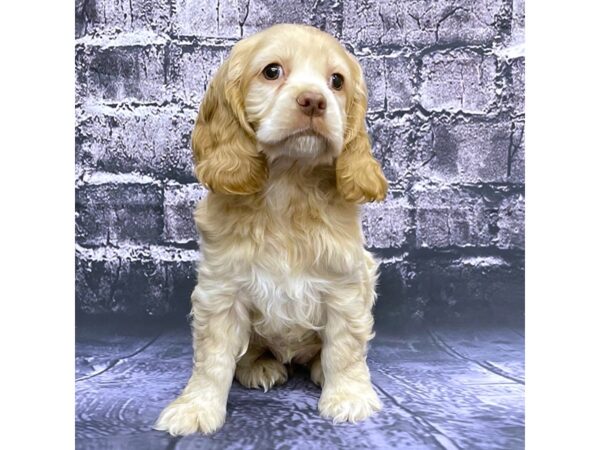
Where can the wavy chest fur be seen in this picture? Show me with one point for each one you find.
(285, 249)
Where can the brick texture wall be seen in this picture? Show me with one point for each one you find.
(446, 117)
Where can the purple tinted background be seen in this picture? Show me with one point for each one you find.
(445, 116)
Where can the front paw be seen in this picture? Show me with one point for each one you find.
(349, 404)
(190, 414)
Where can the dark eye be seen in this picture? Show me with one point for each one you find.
(272, 71)
(337, 81)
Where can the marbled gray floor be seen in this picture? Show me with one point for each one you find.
(441, 388)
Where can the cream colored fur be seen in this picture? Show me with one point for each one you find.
(284, 276)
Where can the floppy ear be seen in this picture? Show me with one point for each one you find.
(359, 176)
(224, 145)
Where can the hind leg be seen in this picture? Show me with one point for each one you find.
(316, 370)
(258, 369)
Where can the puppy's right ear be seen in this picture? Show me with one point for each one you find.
(223, 142)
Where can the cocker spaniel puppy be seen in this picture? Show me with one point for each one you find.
(280, 141)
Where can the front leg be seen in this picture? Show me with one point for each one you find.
(347, 391)
(220, 334)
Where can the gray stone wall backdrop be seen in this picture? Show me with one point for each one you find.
(446, 84)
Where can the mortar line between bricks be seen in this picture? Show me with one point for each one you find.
(87, 178)
(444, 443)
(109, 42)
(119, 359)
(448, 349)
(383, 253)
(83, 102)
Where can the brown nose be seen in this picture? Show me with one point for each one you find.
(312, 104)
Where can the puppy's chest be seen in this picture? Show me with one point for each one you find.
(284, 300)
(303, 253)
(306, 228)
(287, 311)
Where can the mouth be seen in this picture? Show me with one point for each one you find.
(301, 143)
(304, 137)
(310, 128)
(300, 134)
(305, 132)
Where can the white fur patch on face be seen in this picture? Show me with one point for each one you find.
(281, 126)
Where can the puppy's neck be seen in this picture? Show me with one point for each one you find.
(300, 179)
(301, 169)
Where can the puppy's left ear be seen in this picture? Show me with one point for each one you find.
(359, 176)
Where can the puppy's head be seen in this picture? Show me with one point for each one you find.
(290, 91)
